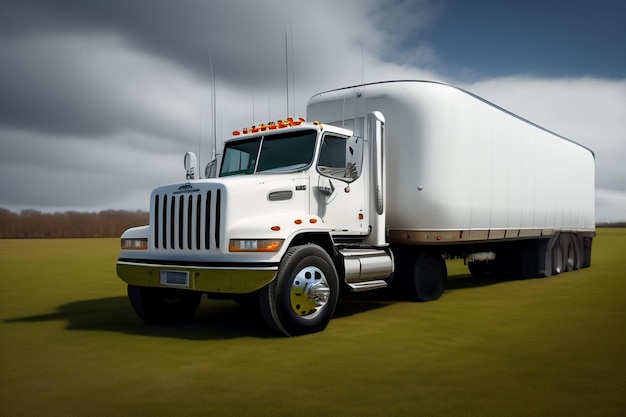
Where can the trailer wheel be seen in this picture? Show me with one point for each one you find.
(163, 305)
(571, 261)
(557, 259)
(302, 297)
(427, 277)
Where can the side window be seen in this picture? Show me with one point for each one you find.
(341, 157)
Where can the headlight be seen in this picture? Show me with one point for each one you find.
(255, 245)
(135, 244)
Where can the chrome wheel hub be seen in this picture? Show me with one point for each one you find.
(309, 292)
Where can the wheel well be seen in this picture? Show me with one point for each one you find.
(320, 239)
(325, 241)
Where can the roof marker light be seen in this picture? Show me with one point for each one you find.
(280, 124)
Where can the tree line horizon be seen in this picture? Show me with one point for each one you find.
(31, 223)
(109, 223)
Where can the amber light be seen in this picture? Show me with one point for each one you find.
(135, 244)
(271, 126)
(255, 245)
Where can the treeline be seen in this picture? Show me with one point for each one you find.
(107, 223)
(612, 224)
(68, 224)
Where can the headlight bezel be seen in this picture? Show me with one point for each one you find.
(134, 243)
(255, 245)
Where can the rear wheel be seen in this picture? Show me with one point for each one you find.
(303, 296)
(557, 259)
(571, 261)
(424, 277)
(163, 305)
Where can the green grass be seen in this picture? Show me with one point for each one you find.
(70, 344)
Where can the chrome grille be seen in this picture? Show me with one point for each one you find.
(187, 221)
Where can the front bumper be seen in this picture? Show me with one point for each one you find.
(212, 279)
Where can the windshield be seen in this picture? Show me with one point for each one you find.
(284, 152)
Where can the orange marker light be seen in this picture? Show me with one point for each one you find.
(255, 245)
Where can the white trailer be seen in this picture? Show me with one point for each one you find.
(389, 180)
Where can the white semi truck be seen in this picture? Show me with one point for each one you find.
(382, 184)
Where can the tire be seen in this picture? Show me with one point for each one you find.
(427, 277)
(163, 305)
(571, 261)
(302, 297)
(557, 259)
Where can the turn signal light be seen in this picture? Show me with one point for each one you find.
(255, 245)
(135, 244)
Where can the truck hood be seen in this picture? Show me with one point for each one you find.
(196, 219)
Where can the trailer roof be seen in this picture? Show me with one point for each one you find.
(463, 91)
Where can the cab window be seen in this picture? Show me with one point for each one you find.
(341, 157)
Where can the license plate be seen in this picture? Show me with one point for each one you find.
(177, 278)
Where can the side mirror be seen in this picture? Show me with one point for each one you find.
(191, 165)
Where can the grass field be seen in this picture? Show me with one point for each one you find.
(70, 344)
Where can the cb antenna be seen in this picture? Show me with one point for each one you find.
(289, 64)
(213, 110)
(287, 69)
(362, 67)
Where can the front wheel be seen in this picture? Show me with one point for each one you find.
(163, 305)
(303, 296)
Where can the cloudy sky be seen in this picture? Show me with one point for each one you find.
(99, 100)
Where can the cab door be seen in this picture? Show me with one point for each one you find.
(340, 189)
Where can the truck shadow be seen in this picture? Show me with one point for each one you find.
(467, 281)
(215, 319)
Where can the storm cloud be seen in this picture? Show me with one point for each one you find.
(100, 100)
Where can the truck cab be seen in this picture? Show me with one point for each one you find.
(287, 221)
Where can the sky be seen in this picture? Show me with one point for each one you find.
(99, 101)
